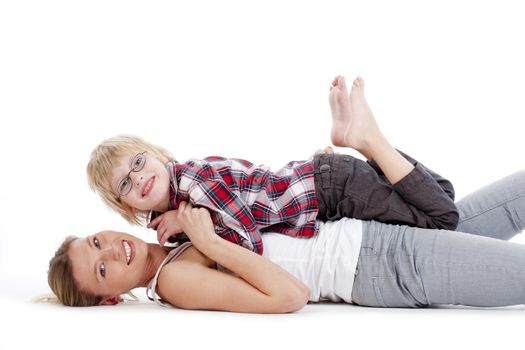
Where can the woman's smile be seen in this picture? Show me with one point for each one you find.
(129, 249)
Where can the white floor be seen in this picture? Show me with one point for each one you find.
(144, 325)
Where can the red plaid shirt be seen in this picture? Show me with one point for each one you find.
(246, 200)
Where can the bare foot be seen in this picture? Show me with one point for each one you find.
(356, 126)
(340, 106)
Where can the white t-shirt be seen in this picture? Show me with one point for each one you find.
(326, 263)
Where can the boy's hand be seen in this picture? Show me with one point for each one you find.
(326, 150)
(167, 225)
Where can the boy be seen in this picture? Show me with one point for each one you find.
(245, 199)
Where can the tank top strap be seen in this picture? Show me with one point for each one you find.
(152, 285)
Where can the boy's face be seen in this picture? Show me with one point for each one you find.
(142, 182)
(108, 263)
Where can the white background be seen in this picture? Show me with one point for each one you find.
(245, 79)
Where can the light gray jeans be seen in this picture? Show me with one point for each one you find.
(401, 266)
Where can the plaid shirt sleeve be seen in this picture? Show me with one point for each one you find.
(232, 217)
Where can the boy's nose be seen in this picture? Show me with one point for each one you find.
(136, 178)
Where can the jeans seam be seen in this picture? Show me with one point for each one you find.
(427, 261)
(491, 208)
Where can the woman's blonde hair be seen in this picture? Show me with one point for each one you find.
(61, 281)
(103, 161)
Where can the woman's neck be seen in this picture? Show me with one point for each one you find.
(156, 254)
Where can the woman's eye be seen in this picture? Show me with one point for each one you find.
(102, 270)
(96, 243)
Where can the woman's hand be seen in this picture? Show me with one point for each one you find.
(196, 224)
(167, 225)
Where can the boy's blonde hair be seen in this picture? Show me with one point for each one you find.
(103, 161)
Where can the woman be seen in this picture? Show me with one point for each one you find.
(363, 262)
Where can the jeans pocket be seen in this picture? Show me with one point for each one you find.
(398, 292)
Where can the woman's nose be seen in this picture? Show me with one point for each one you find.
(111, 252)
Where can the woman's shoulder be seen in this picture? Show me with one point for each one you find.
(186, 262)
(179, 278)
(191, 255)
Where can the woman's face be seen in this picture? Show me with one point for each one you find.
(108, 263)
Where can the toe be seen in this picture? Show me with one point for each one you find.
(342, 83)
(360, 82)
(355, 86)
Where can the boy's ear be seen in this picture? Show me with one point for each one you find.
(114, 300)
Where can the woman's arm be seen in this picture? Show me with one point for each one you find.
(261, 286)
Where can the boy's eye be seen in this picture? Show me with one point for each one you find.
(124, 185)
(102, 270)
(96, 242)
(138, 162)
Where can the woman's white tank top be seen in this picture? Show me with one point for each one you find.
(151, 290)
(326, 263)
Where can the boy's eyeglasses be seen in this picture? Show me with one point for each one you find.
(137, 163)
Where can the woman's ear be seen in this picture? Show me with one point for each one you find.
(114, 300)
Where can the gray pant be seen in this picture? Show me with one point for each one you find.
(349, 187)
(401, 266)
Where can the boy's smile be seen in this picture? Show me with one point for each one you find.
(147, 186)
